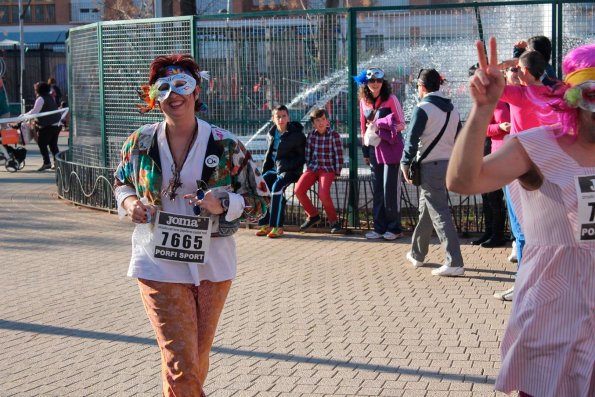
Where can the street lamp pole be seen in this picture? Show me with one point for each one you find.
(158, 4)
(22, 43)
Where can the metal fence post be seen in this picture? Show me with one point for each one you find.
(557, 49)
(72, 117)
(104, 147)
(193, 41)
(352, 119)
(554, 36)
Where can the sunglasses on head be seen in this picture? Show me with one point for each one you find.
(419, 81)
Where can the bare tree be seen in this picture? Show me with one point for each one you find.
(114, 10)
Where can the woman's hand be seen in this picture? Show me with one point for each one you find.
(367, 161)
(504, 126)
(137, 211)
(210, 203)
(405, 171)
(487, 84)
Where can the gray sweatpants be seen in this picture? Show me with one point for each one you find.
(435, 214)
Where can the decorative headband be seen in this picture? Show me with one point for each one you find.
(580, 76)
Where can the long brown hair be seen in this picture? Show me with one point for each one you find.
(366, 94)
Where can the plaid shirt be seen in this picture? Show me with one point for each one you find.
(324, 151)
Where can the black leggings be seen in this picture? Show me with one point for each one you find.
(48, 136)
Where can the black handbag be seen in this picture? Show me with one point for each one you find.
(415, 166)
(415, 173)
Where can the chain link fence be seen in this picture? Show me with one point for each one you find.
(303, 59)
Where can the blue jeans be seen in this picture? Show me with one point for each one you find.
(386, 207)
(275, 216)
(515, 227)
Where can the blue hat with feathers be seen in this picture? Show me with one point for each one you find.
(368, 74)
(361, 78)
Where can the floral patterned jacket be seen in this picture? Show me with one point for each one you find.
(235, 171)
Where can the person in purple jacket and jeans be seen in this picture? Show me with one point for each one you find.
(378, 106)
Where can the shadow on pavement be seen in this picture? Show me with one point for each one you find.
(52, 330)
(38, 181)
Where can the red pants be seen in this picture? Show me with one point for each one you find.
(325, 180)
(184, 318)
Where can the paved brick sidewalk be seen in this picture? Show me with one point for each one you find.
(309, 314)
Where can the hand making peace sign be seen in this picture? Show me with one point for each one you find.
(487, 84)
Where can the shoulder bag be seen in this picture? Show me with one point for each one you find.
(371, 137)
(415, 167)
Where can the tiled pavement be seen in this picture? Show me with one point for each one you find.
(309, 314)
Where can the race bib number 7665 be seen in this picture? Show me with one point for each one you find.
(181, 238)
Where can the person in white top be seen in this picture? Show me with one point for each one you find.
(169, 173)
(548, 349)
(48, 126)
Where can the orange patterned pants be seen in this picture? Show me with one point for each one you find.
(184, 318)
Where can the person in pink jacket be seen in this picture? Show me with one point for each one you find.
(526, 112)
(493, 204)
(382, 109)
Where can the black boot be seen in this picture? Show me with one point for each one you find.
(485, 237)
(494, 241)
(497, 218)
(488, 220)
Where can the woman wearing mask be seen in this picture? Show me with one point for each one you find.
(184, 167)
(382, 111)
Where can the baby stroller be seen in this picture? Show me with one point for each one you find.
(13, 156)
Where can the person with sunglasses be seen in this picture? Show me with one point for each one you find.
(170, 172)
(548, 348)
(382, 109)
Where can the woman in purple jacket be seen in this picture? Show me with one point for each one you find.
(378, 106)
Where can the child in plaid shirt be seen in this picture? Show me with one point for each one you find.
(324, 160)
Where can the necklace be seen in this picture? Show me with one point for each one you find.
(175, 181)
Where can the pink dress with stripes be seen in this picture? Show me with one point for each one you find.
(548, 349)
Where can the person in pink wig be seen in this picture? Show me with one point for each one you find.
(548, 347)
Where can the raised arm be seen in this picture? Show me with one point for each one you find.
(468, 171)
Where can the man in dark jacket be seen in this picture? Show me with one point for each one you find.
(283, 165)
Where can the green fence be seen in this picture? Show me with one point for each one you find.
(303, 60)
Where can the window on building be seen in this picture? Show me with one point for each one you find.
(37, 13)
(374, 44)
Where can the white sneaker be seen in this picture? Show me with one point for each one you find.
(392, 236)
(512, 257)
(413, 261)
(448, 271)
(505, 295)
(372, 235)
